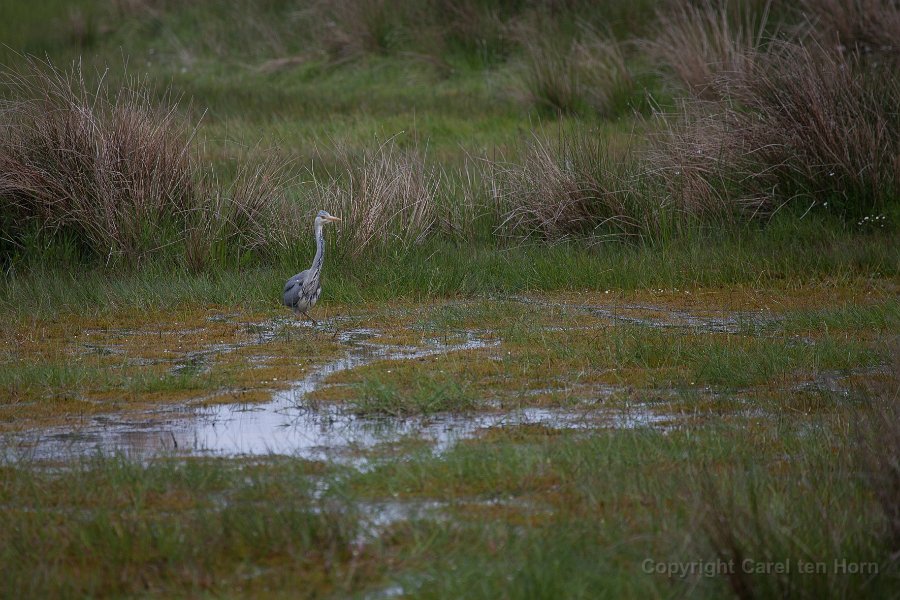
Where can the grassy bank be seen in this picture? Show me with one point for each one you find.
(519, 124)
(754, 259)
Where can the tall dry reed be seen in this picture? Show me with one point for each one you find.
(116, 171)
(385, 194)
(701, 42)
(800, 123)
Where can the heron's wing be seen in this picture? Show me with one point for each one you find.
(292, 287)
(297, 279)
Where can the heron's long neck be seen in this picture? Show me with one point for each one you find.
(320, 250)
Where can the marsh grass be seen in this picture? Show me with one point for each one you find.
(247, 217)
(876, 450)
(855, 97)
(747, 519)
(575, 354)
(118, 527)
(115, 177)
(424, 394)
(524, 509)
(387, 197)
(743, 522)
(442, 269)
(882, 316)
(483, 196)
(702, 42)
(586, 73)
(84, 386)
(358, 27)
(669, 357)
(472, 32)
(866, 26)
(514, 508)
(624, 497)
(754, 137)
(744, 150)
(579, 187)
(113, 172)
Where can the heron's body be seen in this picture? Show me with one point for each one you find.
(302, 291)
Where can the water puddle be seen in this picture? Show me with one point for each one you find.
(289, 425)
(379, 516)
(664, 317)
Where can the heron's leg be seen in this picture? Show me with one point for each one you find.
(306, 314)
(302, 314)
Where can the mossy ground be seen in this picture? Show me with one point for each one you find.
(547, 349)
(72, 367)
(770, 406)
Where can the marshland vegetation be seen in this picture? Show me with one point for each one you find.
(679, 209)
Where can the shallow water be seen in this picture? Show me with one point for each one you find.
(289, 425)
(648, 315)
(329, 433)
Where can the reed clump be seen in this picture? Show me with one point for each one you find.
(117, 174)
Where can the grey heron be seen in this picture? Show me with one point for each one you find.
(303, 289)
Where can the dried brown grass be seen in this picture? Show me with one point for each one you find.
(251, 214)
(707, 166)
(465, 201)
(701, 42)
(116, 171)
(574, 188)
(386, 196)
(867, 26)
(828, 119)
(113, 170)
(800, 122)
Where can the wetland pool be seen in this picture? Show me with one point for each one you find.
(289, 424)
(570, 363)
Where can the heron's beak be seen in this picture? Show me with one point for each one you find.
(331, 218)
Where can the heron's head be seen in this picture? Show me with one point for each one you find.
(325, 217)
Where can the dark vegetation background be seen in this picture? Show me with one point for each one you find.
(470, 146)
